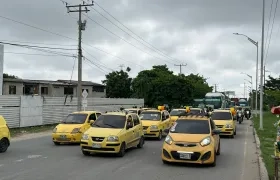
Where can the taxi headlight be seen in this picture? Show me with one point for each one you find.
(229, 126)
(206, 141)
(54, 130)
(153, 127)
(85, 137)
(75, 130)
(168, 140)
(113, 138)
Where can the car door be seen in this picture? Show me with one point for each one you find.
(130, 131)
(215, 136)
(86, 126)
(136, 129)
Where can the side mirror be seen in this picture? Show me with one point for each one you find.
(166, 131)
(91, 121)
(128, 126)
(216, 132)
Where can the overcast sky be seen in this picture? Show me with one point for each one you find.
(197, 33)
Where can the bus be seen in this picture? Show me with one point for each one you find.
(243, 102)
(216, 99)
(198, 102)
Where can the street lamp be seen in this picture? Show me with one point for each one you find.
(251, 82)
(257, 64)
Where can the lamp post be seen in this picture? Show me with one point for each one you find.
(257, 64)
(251, 82)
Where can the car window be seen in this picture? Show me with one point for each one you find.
(135, 119)
(129, 120)
(221, 116)
(75, 119)
(92, 117)
(191, 127)
(110, 121)
(150, 116)
(177, 112)
(166, 114)
(98, 114)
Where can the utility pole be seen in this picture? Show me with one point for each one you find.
(215, 87)
(262, 56)
(121, 66)
(180, 66)
(81, 27)
(244, 90)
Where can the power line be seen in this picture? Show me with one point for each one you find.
(31, 54)
(153, 48)
(267, 50)
(180, 66)
(266, 41)
(37, 43)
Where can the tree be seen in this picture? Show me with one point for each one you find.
(160, 86)
(118, 84)
(5, 75)
(272, 83)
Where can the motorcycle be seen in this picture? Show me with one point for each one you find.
(239, 117)
(247, 114)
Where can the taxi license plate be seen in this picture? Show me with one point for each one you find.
(185, 156)
(96, 145)
(62, 136)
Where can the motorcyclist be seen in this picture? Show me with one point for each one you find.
(247, 110)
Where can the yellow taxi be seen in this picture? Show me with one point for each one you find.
(5, 136)
(134, 110)
(71, 129)
(113, 132)
(155, 121)
(192, 139)
(175, 113)
(224, 120)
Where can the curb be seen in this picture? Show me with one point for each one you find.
(31, 136)
(262, 168)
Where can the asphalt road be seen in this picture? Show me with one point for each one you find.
(39, 159)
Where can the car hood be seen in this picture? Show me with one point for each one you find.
(67, 128)
(222, 122)
(103, 132)
(173, 118)
(188, 137)
(149, 123)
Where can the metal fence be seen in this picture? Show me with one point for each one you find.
(24, 111)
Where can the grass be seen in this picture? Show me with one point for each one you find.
(33, 129)
(267, 138)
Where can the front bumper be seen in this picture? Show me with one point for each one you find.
(104, 147)
(151, 132)
(66, 137)
(199, 155)
(226, 131)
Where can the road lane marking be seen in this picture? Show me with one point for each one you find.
(19, 160)
(244, 154)
(33, 156)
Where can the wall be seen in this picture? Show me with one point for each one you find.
(23, 111)
(19, 88)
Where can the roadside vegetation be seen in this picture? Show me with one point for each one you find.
(267, 138)
(15, 132)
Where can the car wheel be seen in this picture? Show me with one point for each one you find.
(4, 144)
(141, 142)
(121, 153)
(86, 153)
(160, 135)
(56, 143)
(165, 162)
(234, 131)
(219, 149)
(214, 163)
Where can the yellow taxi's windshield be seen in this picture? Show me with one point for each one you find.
(177, 112)
(110, 121)
(75, 119)
(150, 116)
(221, 116)
(191, 127)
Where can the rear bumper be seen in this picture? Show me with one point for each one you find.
(66, 137)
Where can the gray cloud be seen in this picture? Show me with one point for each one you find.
(198, 33)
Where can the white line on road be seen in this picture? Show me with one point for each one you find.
(245, 154)
(19, 160)
(33, 156)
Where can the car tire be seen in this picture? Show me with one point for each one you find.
(215, 159)
(141, 143)
(86, 153)
(234, 132)
(121, 153)
(160, 136)
(165, 162)
(56, 143)
(219, 149)
(4, 144)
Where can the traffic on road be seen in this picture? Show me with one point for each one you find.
(194, 139)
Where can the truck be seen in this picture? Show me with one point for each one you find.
(215, 99)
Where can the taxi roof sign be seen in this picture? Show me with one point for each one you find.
(188, 109)
(160, 108)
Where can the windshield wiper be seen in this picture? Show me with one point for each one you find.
(111, 125)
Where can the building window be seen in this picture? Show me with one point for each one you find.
(98, 89)
(44, 90)
(12, 89)
(68, 91)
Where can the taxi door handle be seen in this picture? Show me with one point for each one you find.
(132, 131)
